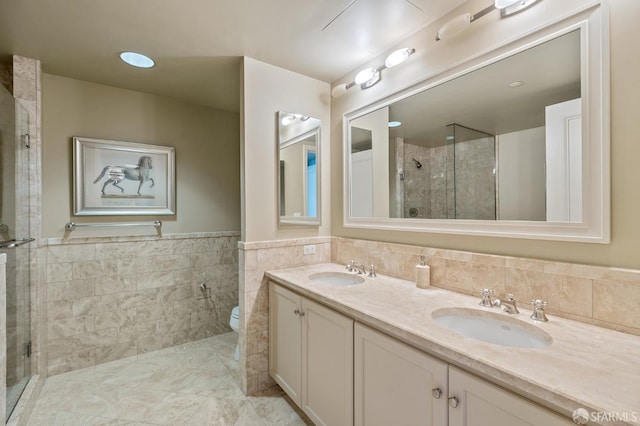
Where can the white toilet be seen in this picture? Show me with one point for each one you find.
(234, 323)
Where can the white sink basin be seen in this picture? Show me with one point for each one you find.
(336, 278)
(492, 328)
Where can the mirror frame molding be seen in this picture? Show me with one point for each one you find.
(289, 221)
(593, 23)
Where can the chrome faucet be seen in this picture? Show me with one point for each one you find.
(485, 301)
(538, 310)
(361, 269)
(508, 304)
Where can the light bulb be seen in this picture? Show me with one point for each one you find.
(454, 26)
(287, 119)
(501, 4)
(398, 57)
(364, 75)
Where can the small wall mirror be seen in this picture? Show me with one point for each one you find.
(299, 169)
(500, 150)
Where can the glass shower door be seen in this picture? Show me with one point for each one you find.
(14, 241)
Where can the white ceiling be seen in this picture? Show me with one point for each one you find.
(198, 43)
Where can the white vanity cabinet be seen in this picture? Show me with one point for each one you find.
(344, 374)
(311, 356)
(396, 384)
(480, 403)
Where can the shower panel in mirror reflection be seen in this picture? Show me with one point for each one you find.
(502, 142)
(14, 233)
(449, 179)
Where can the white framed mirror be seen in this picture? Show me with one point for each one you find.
(298, 169)
(516, 146)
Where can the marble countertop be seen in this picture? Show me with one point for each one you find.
(585, 366)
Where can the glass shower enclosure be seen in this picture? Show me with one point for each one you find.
(15, 229)
(452, 178)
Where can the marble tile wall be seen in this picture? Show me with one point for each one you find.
(602, 296)
(256, 258)
(6, 76)
(423, 197)
(441, 189)
(110, 298)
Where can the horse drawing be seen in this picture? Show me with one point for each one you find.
(117, 174)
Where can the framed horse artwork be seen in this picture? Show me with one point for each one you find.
(122, 178)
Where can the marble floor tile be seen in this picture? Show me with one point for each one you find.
(191, 384)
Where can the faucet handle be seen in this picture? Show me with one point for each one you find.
(485, 300)
(538, 310)
(350, 265)
(539, 304)
(372, 271)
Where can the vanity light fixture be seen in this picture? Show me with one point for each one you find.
(394, 124)
(460, 23)
(370, 76)
(287, 119)
(509, 7)
(501, 4)
(137, 60)
(290, 118)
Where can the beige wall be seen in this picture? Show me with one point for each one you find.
(266, 90)
(432, 57)
(206, 142)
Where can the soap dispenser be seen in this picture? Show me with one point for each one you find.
(423, 274)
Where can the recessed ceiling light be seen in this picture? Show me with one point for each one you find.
(394, 123)
(137, 60)
(516, 84)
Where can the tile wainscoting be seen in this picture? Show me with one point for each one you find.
(109, 298)
(602, 296)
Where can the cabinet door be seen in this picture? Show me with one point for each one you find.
(394, 383)
(285, 340)
(484, 404)
(327, 365)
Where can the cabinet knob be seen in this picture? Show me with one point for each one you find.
(301, 313)
(437, 393)
(454, 401)
(297, 312)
